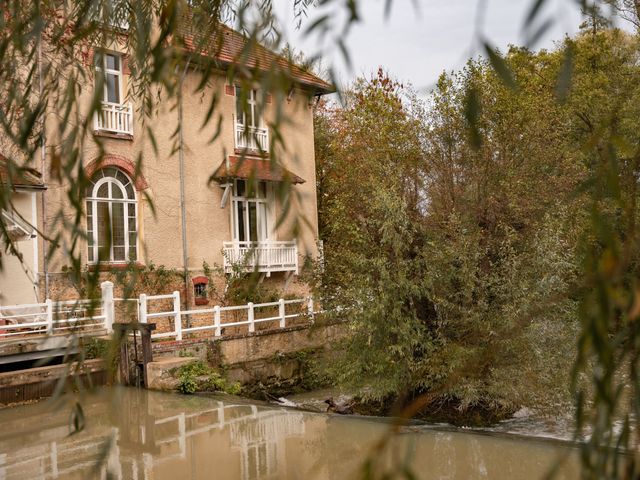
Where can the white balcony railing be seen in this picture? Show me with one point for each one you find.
(269, 256)
(252, 138)
(115, 118)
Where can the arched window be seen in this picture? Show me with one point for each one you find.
(111, 217)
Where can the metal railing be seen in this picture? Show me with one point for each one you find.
(269, 256)
(115, 118)
(252, 138)
(211, 319)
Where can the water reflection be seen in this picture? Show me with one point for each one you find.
(143, 435)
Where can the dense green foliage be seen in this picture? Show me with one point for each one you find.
(198, 376)
(459, 248)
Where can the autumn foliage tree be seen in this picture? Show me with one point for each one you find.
(458, 249)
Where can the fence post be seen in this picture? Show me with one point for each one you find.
(108, 306)
(252, 325)
(310, 309)
(216, 320)
(49, 304)
(283, 318)
(142, 308)
(178, 315)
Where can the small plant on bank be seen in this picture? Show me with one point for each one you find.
(198, 376)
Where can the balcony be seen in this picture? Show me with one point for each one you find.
(267, 257)
(252, 138)
(115, 118)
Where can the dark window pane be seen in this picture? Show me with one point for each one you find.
(240, 217)
(133, 254)
(117, 211)
(113, 62)
(253, 223)
(103, 191)
(240, 188)
(116, 191)
(118, 254)
(113, 88)
(104, 229)
(200, 290)
(121, 177)
(129, 188)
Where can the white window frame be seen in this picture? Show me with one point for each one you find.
(267, 201)
(252, 102)
(110, 71)
(92, 202)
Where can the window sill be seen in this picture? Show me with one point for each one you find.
(114, 267)
(117, 136)
(201, 301)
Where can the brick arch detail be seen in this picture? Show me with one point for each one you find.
(124, 164)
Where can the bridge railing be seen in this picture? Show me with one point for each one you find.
(218, 318)
(61, 317)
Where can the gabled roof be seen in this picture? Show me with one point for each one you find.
(255, 168)
(21, 178)
(230, 47)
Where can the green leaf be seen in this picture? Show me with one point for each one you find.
(472, 116)
(533, 12)
(500, 66)
(563, 82)
(534, 37)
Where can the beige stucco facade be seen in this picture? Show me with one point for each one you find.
(207, 222)
(18, 277)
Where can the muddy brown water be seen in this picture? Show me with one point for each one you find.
(142, 435)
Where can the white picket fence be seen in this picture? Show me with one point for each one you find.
(80, 317)
(212, 320)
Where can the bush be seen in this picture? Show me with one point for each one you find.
(191, 380)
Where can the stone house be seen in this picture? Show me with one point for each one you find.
(216, 203)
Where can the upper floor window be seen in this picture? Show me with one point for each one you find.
(247, 109)
(111, 218)
(251, 132)
(109, 70)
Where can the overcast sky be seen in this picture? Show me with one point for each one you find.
(416, 45)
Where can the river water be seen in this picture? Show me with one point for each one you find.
(143, 435)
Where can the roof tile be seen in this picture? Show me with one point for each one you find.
(257, 168)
